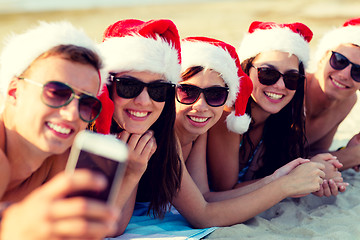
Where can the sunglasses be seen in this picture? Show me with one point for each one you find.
(269, 76)
(214, 96)
(339, 62)
(58, 94)
(130, 87)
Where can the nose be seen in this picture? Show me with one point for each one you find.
(346, 72)
(280, 84)
(143, 98)
(70, 112)
(200, 104)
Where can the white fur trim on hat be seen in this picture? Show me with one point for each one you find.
(238, 124)
(334, 38)
(197, 53)
(21, 50)
(138, 53)
(281, 39)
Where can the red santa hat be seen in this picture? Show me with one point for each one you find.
(222, 58)
(21, 50)
(349, 32)
(135, 45)
(292, 38)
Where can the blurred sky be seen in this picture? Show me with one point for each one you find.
(16, 6)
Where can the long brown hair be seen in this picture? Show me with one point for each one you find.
(284, 132)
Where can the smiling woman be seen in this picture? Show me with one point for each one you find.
(274, 56)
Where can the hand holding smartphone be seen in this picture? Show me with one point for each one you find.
(104, 154)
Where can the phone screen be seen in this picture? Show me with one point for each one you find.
(111, 169)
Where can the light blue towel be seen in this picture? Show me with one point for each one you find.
(172, 226)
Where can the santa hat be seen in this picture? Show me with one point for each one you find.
(21, 50)
(222, 58)
(134, 45)
(349, 32)
(292, 38)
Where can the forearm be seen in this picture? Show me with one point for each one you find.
(126, 214)
(236, 210)
(239, 190)
(349, 156)
(126, 202)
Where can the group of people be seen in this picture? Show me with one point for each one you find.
(219, 133)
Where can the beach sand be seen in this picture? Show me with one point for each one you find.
(306, 218)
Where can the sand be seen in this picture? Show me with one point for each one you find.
(306, 218)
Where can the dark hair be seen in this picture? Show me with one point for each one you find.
(162, 178)
(284, 132)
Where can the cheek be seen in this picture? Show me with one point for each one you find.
(158, 108)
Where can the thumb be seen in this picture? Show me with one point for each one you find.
(64, 184)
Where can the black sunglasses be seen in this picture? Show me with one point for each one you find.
(214, 96)
(269, 76)
(339, 62)
(130, 87)
(58, 94)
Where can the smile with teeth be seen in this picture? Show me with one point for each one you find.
(138, 114)
(273, 95)
(338, 84)
(198, 119)
(58, 128)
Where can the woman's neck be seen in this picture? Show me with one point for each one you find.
(184, 136)
(258, 115)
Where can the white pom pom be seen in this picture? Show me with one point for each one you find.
(238, 124)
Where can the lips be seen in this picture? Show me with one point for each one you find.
(338, 84)
(198, 119)
(274, 96)
(60, 129)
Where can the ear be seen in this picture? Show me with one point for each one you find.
(12, 91)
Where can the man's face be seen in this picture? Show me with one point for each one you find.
(339, 84)
(52, 130)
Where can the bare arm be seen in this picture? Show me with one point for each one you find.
(141, 148)
(192, 205)
(350, 156)
(223, 156)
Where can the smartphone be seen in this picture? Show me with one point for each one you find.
(103, 154)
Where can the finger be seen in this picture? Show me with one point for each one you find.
(133, 140)
(336, 163)
(82, 207)
(82, 228)
(64, 184)
(124, 136)
(333, 188)
(326, 188)
(149, 148)
(293, 164)
(145, 139)
(320, 192)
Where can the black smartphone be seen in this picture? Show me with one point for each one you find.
(103, 154)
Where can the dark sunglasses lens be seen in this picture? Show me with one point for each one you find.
(56, 94)
(338, 61)
(89, 108)
(355, 72)
(216, 96)
(187, 94)
(268, 76)
(128, 88)
(291, 80)
(158, 91)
